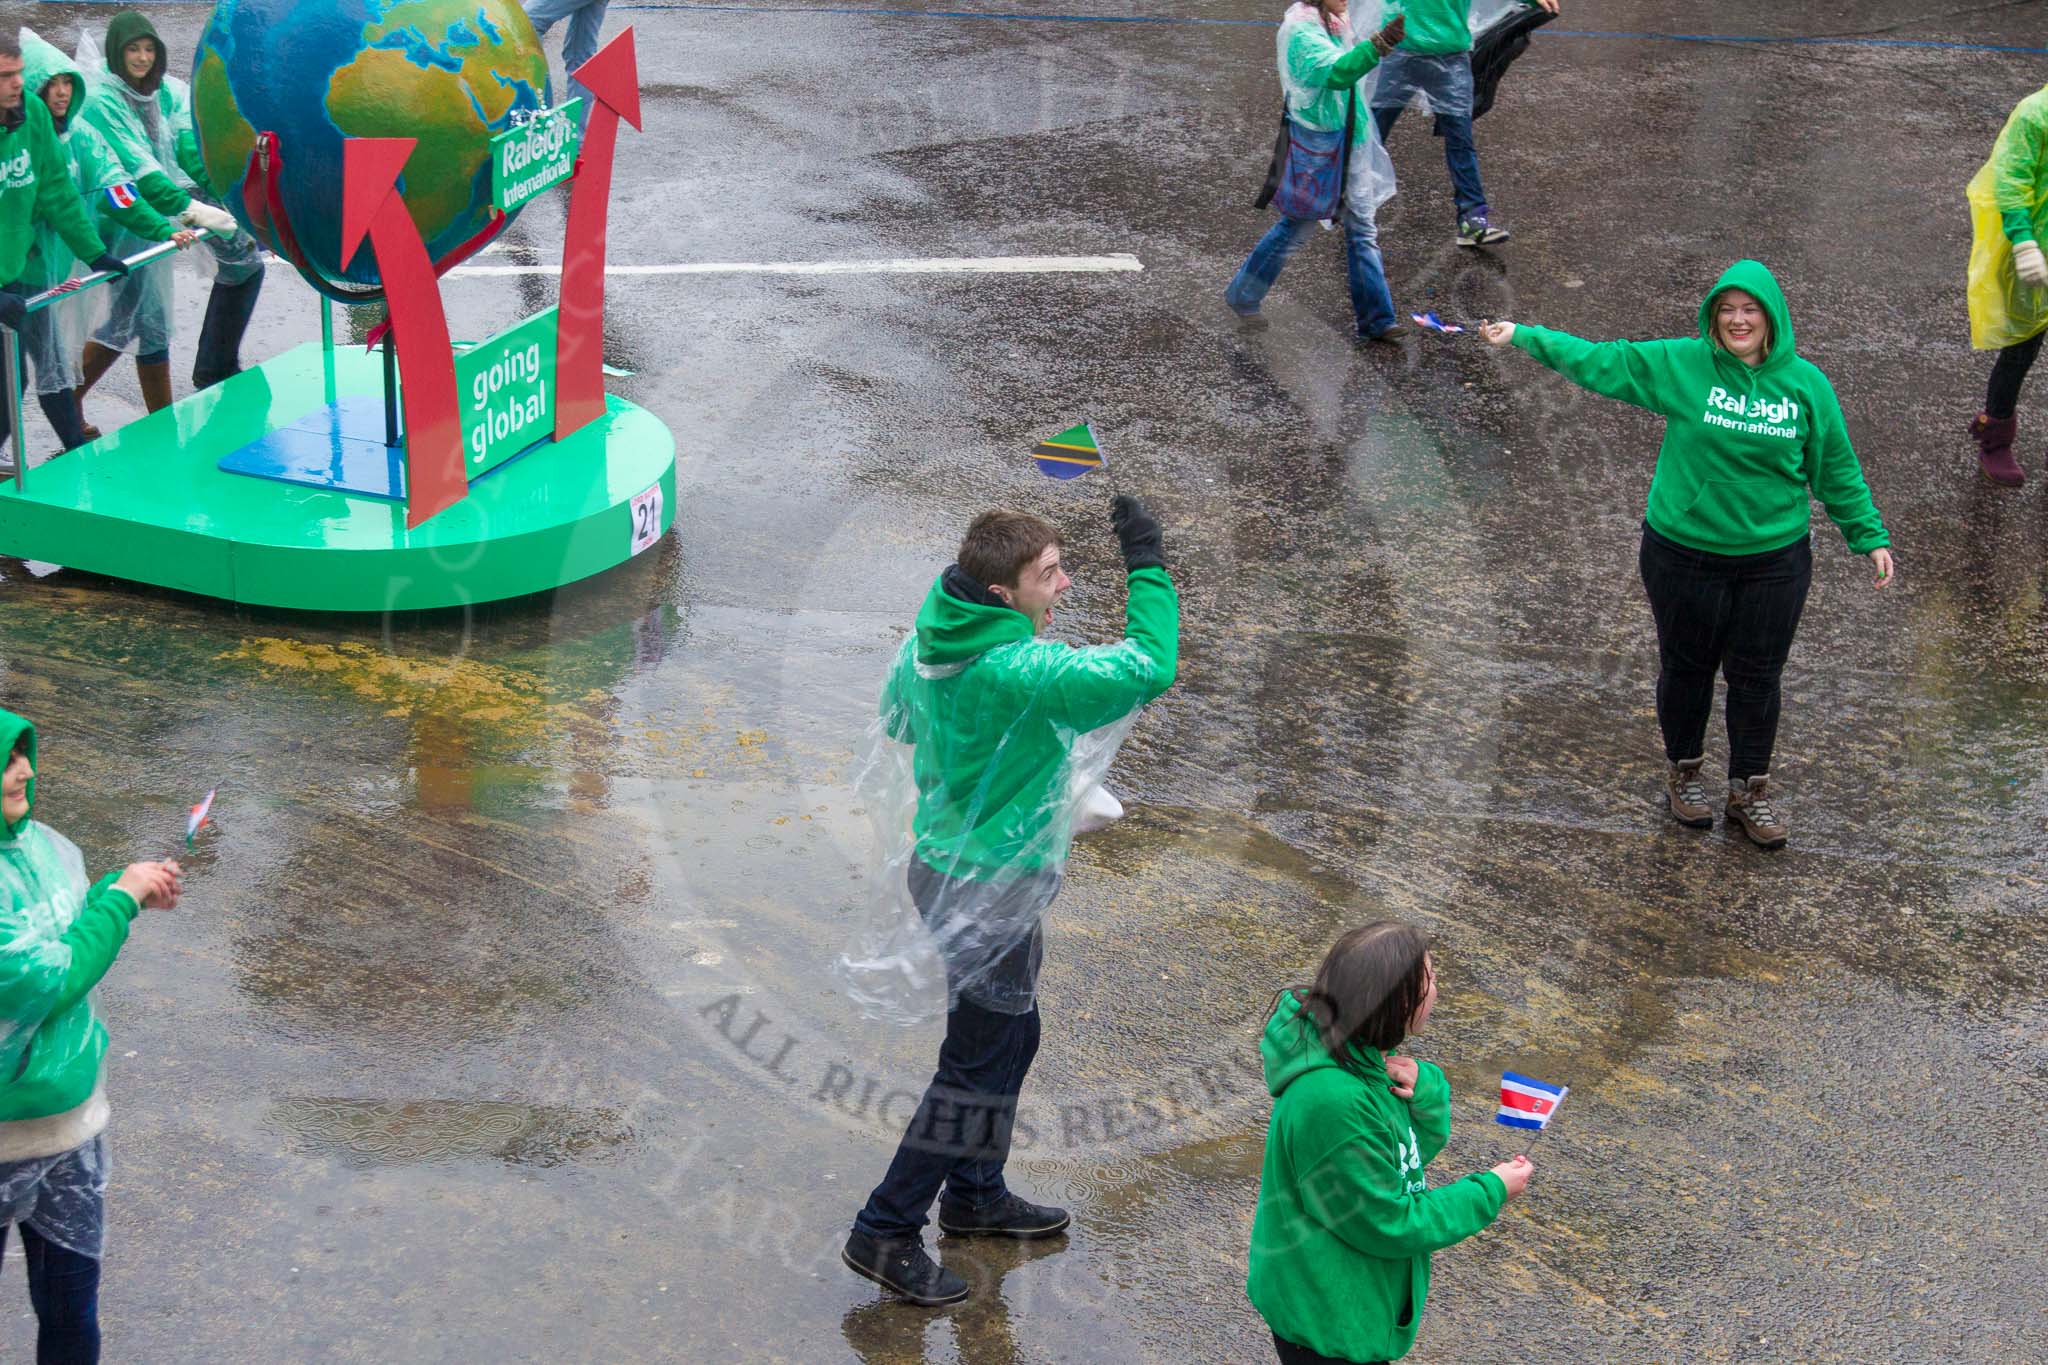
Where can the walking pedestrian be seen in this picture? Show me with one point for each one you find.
(579, 44)
(1433, 65)
(2009, 277)
(1727, 555)
(1332, 164)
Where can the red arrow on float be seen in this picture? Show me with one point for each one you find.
(371, 205)
(613, 79)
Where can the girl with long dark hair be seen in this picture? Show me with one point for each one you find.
(1347, 1220)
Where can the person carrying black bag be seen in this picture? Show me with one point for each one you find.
(1330, 160)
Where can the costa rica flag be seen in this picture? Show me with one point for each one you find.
(1528, 1103)
(123, 195)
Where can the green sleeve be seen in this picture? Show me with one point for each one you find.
(162, 193)
(189, 159)
(95, 938)
(2018, 164)
(140, 219)
(1638, 372)
(1093, 686)
(1316, 61)
(57, 200)
(1430, 1110)
(1362, 1194)
(1836, 477)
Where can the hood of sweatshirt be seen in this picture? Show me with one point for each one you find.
(125, 28)
(12, 729)
(1291, 1047)
(41, 63)
(961, 619)
(1755, 279)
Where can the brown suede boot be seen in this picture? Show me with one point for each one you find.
(156, 384)
(1688, 798)
(96, 361)
(1994, 449)
(1749, 805)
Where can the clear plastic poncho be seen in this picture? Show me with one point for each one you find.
(975, 777)
(1307, 49)
(42, 890)
(1437, 84)
(140, 131)
(236, 259)
(2004, 310)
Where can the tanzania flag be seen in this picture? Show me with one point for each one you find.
(1070, 454)
(123, 195)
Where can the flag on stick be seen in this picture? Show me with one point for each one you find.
(196, 821)
(1528, 1103)
(1070, 454)
(1434, 323)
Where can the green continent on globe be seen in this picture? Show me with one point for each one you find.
(451, 74)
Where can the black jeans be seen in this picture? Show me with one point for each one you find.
(960, 1135)
(1290, 1354)
(1735, 614)
(2008, 373)
(64, 1289)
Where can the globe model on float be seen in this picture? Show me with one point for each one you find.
(451, 73)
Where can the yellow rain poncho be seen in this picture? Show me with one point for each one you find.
(2009, 204)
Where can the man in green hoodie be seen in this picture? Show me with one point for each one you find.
(993, 713)
(58, 937)
(35, 187)
(1751, 427)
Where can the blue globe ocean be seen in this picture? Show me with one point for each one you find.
(451, 73)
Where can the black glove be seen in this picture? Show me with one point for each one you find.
(12, 313)
(1138, 532)
(110, 263)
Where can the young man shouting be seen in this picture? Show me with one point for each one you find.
(992, 712)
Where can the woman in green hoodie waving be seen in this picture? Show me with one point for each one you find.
(1347, 1220)
(1750, 427)
(58, 937)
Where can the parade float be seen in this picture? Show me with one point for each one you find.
(374, 148)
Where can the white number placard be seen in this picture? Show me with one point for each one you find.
(646, 519)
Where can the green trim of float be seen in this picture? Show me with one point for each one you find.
(149, 503)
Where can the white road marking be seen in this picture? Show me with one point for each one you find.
(937, 265)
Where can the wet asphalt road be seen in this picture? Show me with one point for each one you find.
(497, 1026)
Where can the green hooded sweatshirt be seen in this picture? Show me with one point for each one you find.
(1318, 72)
(1438, 28)
(94, 167)
(35, 184)
(1346, 1219)
(1742, 445)
(993, 712)
(139, 122)
(58, 937)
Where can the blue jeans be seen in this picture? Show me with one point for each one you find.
(64, 1289)
(586, 19)
(1446, 82)
(1371, 301)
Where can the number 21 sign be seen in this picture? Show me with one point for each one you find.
(646, 518)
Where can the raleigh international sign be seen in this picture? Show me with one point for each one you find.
(534, 157)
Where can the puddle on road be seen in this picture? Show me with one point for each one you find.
(367, 1133)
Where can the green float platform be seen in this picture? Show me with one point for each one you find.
(149, 503)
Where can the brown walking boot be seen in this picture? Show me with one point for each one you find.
(1689, 806)
(1994, 449)
(1749, 805)
(156, 384)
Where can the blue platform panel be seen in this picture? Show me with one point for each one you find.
(339, 446)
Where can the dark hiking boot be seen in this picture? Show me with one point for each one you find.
(1749, 805)
(1994, 449)
(1689, 805)
(1010, 1216)
(904, 1268)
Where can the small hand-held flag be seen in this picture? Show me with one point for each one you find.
(196, 821)
(1434, 323)
(1070, 454)
(1528, 1103)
